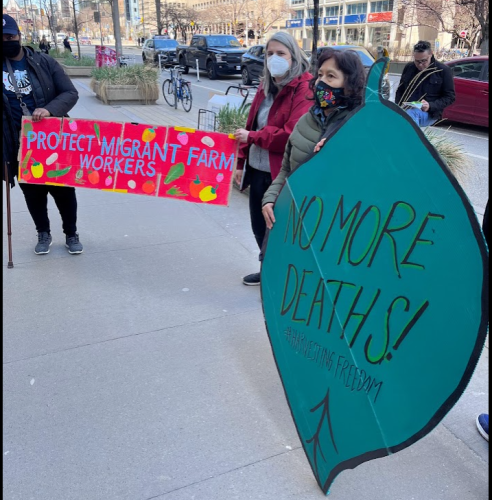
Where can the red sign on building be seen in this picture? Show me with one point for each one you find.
(378, 17)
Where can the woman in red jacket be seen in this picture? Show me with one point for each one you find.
(282, 98)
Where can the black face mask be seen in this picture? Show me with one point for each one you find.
(328, 97)
(11, 48)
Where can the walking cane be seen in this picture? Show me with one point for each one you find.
(10, 264)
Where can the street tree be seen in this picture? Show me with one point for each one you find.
(481, 9)
(454, 17)
(49, 10)
(74, 5)
(115, 14)
(263, 14)
(180, 20)
(235, 12)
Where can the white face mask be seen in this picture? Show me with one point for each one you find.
(277, 65)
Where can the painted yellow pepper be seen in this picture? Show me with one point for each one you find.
(37, 169)
(208, 193)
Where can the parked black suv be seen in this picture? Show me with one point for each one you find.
(216, 54)
(162, 45)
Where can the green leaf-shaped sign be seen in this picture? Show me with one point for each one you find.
(374, 288)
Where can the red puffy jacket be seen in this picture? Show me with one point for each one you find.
(293, 101)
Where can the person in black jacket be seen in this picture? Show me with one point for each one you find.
(66, 44)
(45, 90)
(44, 46)
(427, 81)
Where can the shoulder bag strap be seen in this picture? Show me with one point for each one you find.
(18, 94)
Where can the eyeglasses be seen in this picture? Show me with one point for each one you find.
(421, 61)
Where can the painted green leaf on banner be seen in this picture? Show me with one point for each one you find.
(374, 289)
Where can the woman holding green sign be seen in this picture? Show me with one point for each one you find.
(338, 89)
(282, 98)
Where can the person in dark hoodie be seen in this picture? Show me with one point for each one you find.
(282, 98)
(428, 82)
(35, 84)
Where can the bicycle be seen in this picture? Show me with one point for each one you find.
(177, 89)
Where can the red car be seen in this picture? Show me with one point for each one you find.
(85, 40)
(471, 81)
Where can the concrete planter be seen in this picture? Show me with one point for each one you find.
(124, 94)
(77, 71)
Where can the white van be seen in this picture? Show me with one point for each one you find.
(60, 37)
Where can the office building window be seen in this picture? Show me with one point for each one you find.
(331, 36)
(356, 8)
(331, 11)
(382, 6)
(355, 36)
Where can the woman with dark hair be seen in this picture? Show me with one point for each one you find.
(282, 98)
(338, 87)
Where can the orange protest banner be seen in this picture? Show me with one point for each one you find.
(171, 162)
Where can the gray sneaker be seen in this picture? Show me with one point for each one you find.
(73, 244)
(44, 243)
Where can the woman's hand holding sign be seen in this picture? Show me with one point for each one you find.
(268, 214)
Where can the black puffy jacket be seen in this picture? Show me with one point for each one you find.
(55, 92)
(434, 84)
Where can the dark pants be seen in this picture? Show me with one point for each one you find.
(36, 196)
(259, 183)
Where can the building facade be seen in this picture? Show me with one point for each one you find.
(393, 24)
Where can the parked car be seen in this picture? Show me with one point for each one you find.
(162, 45)
(85, 40)
(217, 54)
(471, 82)
(253, 62)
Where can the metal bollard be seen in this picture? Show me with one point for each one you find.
(197, 71)
(160, 66)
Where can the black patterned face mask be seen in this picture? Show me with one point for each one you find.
(11, 48)
(328, 97)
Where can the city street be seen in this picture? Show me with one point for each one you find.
(475, 140)
(142, 368)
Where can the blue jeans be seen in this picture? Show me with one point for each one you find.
(421, 118)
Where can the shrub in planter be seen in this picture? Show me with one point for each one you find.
(141, 78)
(58, 53)
(83, 61)
(451, 152)
(230, 118)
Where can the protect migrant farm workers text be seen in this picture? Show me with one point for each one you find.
(133, 158)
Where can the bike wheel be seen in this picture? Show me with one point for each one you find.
(186, 98)
(168, 92)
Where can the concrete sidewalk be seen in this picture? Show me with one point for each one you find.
(142, 370)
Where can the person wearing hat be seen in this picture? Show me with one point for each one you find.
(35, 84)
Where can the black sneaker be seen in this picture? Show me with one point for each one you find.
(73, 244)
(44, 243)
(252, 279)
